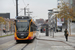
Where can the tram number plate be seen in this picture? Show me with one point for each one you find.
(22, 37)
(22, 34)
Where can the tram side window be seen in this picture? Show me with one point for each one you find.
(34, 27)
(31, 27)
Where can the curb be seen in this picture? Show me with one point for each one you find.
(6, 35)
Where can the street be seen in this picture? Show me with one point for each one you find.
(6, 39)
(40, 43)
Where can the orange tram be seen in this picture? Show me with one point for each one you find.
(25, 28)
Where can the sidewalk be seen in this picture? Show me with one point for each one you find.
(59, 36)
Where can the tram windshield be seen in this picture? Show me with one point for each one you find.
(22, 26)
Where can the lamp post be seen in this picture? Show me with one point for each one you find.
(16, 8)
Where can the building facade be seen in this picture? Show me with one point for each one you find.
(72, 4)
(40, 21)
(69, 2)
(5, 15)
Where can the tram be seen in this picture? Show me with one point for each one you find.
(25, 28)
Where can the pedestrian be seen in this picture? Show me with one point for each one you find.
(66, 34)
(4, 30)
(41, 29)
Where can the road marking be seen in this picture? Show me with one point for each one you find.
(66, 47)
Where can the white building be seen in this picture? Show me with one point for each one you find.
(69, 2)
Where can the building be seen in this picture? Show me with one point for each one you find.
(69, 2)
(72, 3)
(59, 3)
(40, 21)
(12, 27)
(8, 25)
(5, 15)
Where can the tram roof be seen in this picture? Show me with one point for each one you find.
(23, 17)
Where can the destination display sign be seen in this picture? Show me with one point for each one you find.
(21, 20)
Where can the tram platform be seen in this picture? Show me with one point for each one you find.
(58, 36)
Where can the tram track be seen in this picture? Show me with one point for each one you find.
(26, 44)
(11, 46)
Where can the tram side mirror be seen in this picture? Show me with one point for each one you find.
(14, 21)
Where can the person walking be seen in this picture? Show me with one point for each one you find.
(4, 30)
(66, 34)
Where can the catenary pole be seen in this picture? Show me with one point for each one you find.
(16, 7)
(25, 11)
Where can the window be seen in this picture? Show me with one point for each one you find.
(22, 26)
(32, 27)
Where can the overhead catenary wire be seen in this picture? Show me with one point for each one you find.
(24, 2)
(13, 2)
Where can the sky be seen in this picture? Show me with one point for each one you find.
(38, 7)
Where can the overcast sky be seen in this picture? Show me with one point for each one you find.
(38, 7)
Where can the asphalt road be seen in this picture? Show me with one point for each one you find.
(6, 39)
